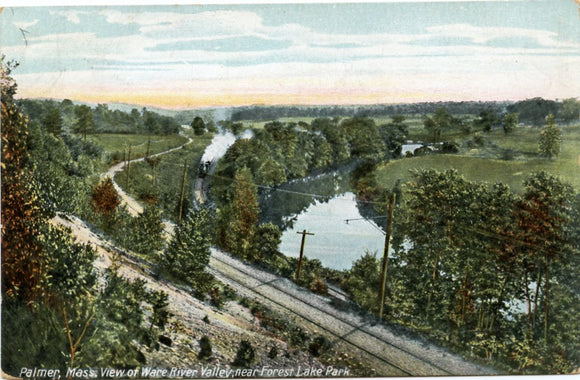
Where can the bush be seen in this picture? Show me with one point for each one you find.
(246, 355)
(205, 348)
(319, 345)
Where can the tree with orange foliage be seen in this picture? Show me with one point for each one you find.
(105, 198)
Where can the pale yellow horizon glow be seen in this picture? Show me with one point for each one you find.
(302, 91)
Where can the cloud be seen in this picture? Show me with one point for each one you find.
(72, 16)
(482, 35)
(25, 25)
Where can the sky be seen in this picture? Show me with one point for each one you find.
(208, 55)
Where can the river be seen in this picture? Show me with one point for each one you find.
(321, 205)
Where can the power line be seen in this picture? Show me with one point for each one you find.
(312, 195)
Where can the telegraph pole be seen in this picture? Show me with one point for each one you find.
(303, 233)
(128, 167)
(182, 190)
(386, 256)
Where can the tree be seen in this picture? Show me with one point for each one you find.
(265, 242)
(24, 262)
(238, 220)
(510, 122)
(198, 126)
(105, 198)
(486, 120)
(147, 231)
(569, 110)
(85, 123)
(534, 111)
(52, 121)
(542, 218)
(550, 138)
(439, 122)
(364, 138)
(188, 252)
(394, 134)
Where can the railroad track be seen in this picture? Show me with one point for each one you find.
(398, 360)
(395, 359)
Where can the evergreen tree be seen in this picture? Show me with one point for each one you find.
(239, 219)
(188, 252)
(147, 231)
(53, 122)
(85, 123)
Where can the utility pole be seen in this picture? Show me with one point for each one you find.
(386, 256)
(128, 167)
(182, 190)
(303, 233)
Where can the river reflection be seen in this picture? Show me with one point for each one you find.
(321, 205)
(335, 242)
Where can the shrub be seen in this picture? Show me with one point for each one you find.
(246, 355)
(205, 348)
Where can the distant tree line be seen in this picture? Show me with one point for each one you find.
(67, 117)
(532, 111)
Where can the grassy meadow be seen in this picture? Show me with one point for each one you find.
(116, 144)
(168, 176)
(502, 158)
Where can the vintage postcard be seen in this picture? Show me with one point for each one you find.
(290, 190)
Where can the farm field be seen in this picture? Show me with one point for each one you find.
(489, 164)
(115, 144)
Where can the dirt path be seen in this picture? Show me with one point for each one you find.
(133, 206)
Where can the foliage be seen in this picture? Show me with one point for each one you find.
(486, 120)
(85, 123)
(246, 355)
(205, 348)
(146, 231)
(237, 221)
(54, 314)
(198, 126)
(104, 198)
(466, 253)
(550, 138)
(394, 135)
(569, 110)
(534, 111)
(437, 123)
(188, 252)
(265, 242)
(364, 138)
(510, 122)
(53, 122)
(363, 280)
(23, 258)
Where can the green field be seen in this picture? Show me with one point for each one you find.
(116, 144)
(169, 174)
(485, 164)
